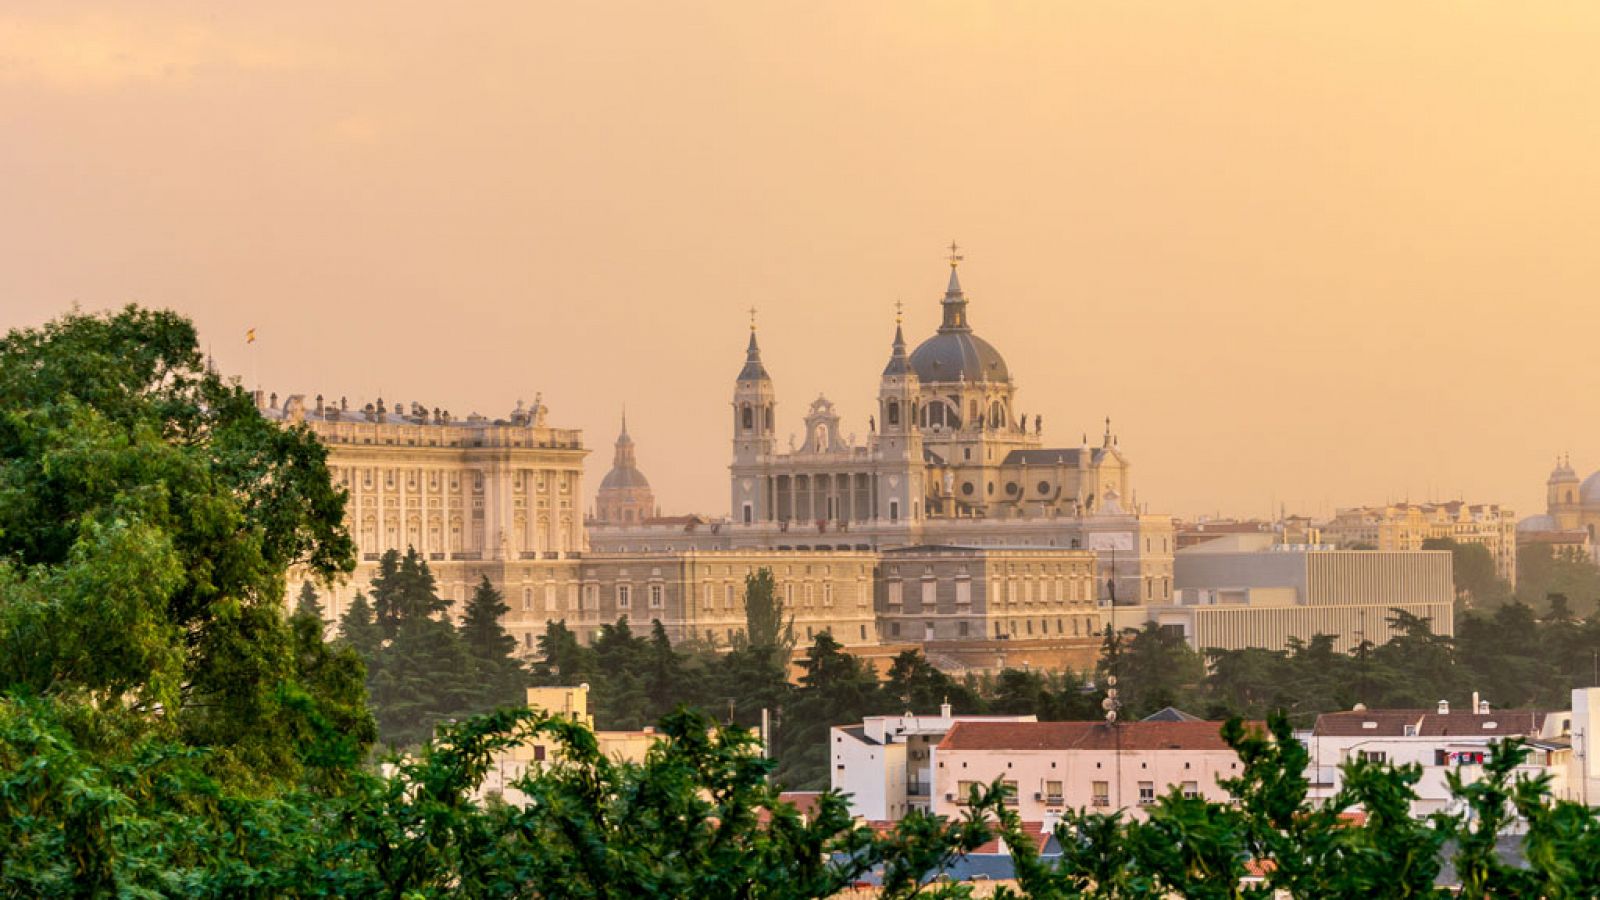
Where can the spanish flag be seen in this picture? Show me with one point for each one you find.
(250, 336)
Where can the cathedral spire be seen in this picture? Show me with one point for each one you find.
(898, 364)
(955, 300)
(753, 369)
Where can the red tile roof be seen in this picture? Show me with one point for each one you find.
(804, 802)
(1428, 723)
(1084, 736)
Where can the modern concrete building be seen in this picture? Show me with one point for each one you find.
(884, 764)
(1246, 591)
(1055, 766)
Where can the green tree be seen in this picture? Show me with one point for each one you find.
(1154, 666)
(915, 684)
(1478, 582)
(358, 630)
(307, 603)
(502, 679)
(836, 688)
(767, 623)
(148, 514)
(1543, 571)
(422, 673)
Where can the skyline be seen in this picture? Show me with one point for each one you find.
(1315, 258)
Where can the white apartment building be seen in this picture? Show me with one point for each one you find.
(1440, 740)
(1054, 766)
(884, 765)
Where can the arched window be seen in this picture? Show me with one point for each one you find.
(768, 409)
(747, 418)
(893, 412)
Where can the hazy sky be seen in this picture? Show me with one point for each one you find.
(1321, 254)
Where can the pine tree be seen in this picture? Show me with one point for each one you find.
(501, 676)
(307, 604)
(359, 630)
(422, 673)
(669, 683)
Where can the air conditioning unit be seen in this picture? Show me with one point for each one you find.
(949, 796)
(1038, 795)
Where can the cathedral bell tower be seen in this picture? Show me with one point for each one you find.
(754, 403)
(899, 440)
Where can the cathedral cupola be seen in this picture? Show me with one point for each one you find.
(625, 497)
(955, 354)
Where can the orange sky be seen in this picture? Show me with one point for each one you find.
(1321, 254)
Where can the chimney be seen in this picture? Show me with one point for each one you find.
(1476, 707)
(944, 709)
(1483, 707)
(1444, 707)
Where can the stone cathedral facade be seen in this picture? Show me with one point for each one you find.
(950, 458)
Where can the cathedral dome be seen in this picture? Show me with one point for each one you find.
(628, 477)
(1590, 492)
(958, 356)
(1539, 522)
(955, 353)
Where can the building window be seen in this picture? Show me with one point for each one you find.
(1374, 756)
(655, 596)
(624, 596)
(1052, 792)
(710, 599)
(961, 629)
(727, 596)
(895, 592)
(527, 599)
(894, 629)
(1147, 793)
(963, 592)
(1100, 792)
(549, 596)
(894, 510)
(1191, 789)
(827, 594)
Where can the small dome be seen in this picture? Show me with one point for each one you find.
(1590, 492)
(1537, 523)
(958, 356)
(628, 477)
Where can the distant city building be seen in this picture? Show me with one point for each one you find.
(1405, 526)
(1572, 515)
(1051, 767)
(884, 765)
(1244, 590)
(1440, 741)
(509, 765)
(1286, 530)
(624, 497)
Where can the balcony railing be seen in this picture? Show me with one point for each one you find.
(918, 789)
